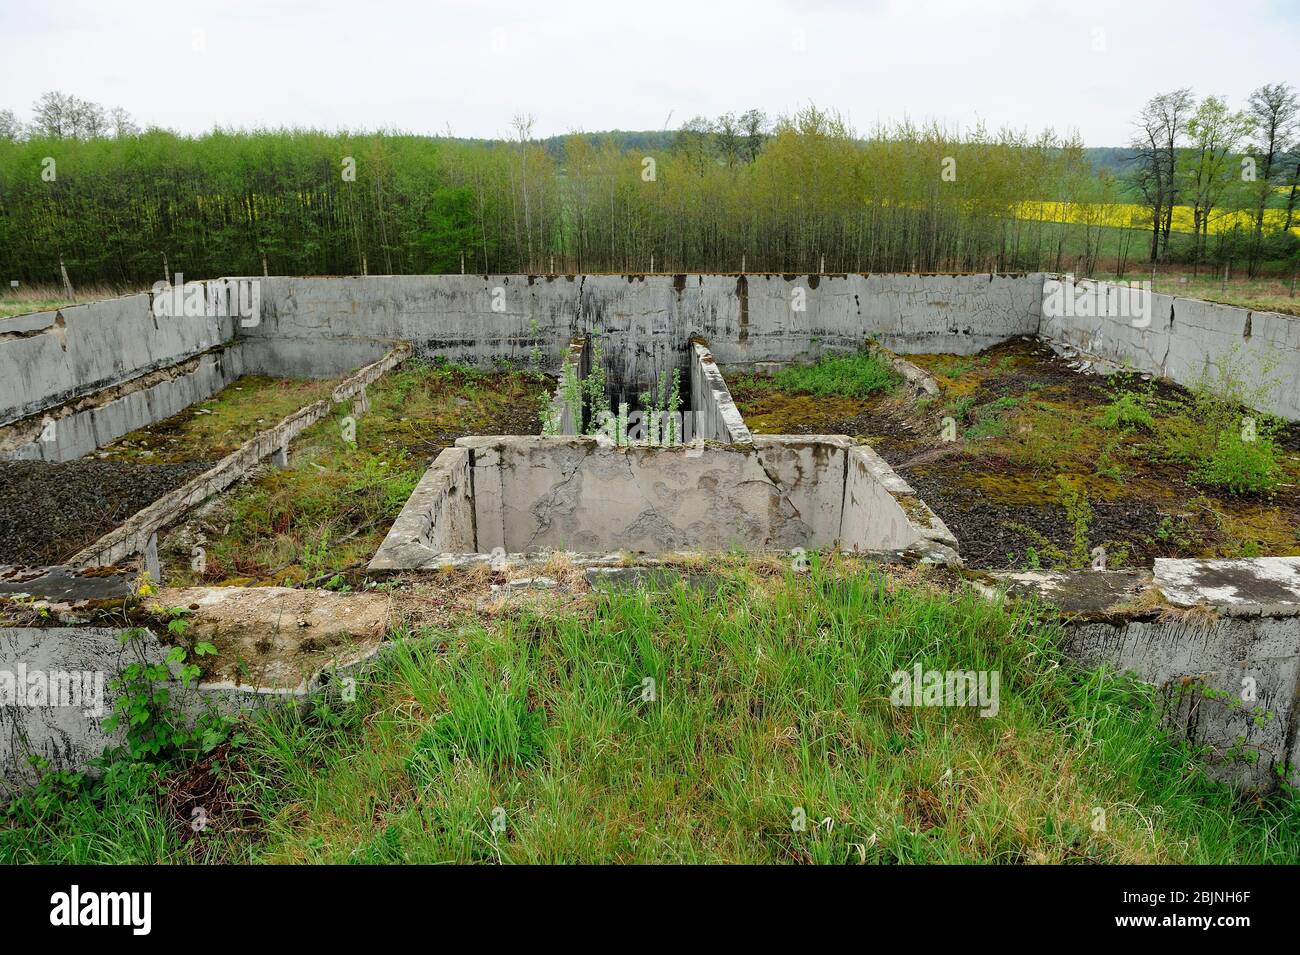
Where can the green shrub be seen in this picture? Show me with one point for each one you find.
(1240, 466)
(858, 375)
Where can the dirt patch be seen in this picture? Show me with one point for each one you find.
(50, 511)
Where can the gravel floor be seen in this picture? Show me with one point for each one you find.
(48, 512)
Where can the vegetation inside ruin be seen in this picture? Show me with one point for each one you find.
(321, 519)
(211, 429)
(747, 718)
(1046, 464)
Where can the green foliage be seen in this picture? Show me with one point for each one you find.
(145, 709)
(858, 375)
(769, 694)
(1126, 411)
(1240, 466)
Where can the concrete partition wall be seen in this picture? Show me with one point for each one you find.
(79, 427)
(50, 358)
(715, 415)
(1177, 338)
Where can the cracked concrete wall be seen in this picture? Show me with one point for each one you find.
(50, 358)
(68, 737)
(1220, 643)
(582, 495)
(585, 495)
(1180, 657)
(1178, 338)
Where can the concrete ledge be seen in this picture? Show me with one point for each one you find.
(79, 427)
(275, 646)
(1220, 641)
(48, 359)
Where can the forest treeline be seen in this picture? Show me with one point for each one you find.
(85, 187)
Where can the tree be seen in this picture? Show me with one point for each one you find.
(1206, 170)
(1159, 126)
(754, 125)
(1273, 108)
(11, 129)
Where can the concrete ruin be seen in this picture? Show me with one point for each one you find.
(75, 379)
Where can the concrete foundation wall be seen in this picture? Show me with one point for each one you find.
(50, 358)
(1221, 645)
(437, 519)
(79, 427)
(714, 414)
(586, 495)
(1177, 338)
(746, 318)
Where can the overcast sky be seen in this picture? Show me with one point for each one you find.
(432, 67)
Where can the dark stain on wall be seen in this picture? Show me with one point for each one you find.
(742, 293)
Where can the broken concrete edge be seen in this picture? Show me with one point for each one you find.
(1226, 670)
(133, 536)
(1246, 587)
(934, 536)
(918, 380)
(715, 412)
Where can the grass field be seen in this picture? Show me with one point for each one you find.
(749, 720)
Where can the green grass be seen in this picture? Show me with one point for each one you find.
(771, 698)
(859, 375)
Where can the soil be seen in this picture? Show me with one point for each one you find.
(1025, 422)
(48, 511)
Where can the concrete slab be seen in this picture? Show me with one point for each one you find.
(1260, 585)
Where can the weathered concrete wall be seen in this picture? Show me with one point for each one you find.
(50, 358)
(746, 318)
(80, 426)
(438, 517)
(137, 534)
(878, 504)
(1177, 338)
(275, 645)
(66, 736)
(586, 495)
(1222, 650)
(715, 415)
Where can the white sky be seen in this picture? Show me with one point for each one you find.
(429, 67)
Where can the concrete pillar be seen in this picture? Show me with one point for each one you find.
(280, 456)
(151, 563)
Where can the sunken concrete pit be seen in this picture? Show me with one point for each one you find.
(527, 496)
